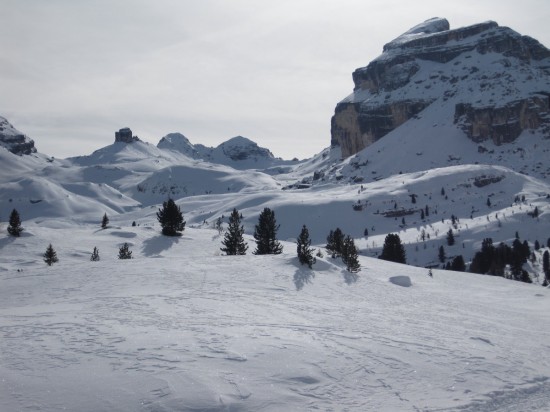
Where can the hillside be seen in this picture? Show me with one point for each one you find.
(181, 327)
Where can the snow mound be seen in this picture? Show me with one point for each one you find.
(403, 281)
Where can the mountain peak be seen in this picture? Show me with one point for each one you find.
(493, 81)
(13, 140)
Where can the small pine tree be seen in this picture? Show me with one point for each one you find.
(335, 242)
(305, 252)
(171, 218)
(219, 225)
(104, 221)
(124, 252)
(393, 250)
(450, 238)
(95, 255)
(488, 202)
(50, 256)
(233, 241)
(441, 254)
(422, 214)
(537, 245)
(14, 227)
(265, 233)
(350, 255)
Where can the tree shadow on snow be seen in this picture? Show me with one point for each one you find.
(6, 241)
(158, 244)
(302, 276)
(349, 277)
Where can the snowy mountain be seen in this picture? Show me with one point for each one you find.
(420, 149)
(485, 80)
(13, 140)
(238, 152)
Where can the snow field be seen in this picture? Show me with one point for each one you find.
(181, 327)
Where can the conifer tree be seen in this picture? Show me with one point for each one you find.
(458, 264)
(50, 256)
(393, 250)
(265, 233)
(546, 265)
(233, 241)
(171, 219)
(450, 237)
(124, 252)
(305, 253)
(95, 255)
(350, 255)
(335, 242)
(441, 254)
(14, 227)
(104, 221)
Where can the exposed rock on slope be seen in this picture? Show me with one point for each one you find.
(496, 80)
(13, 140)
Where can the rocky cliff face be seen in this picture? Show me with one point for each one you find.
(496, 80)
(13, 140)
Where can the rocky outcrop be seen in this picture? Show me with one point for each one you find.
(124, 135)
(15, 141)
(504, 124)
(402, 82)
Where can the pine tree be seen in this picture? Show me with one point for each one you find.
(95, 255)
(441, 254)
(393, 250)
(265, 233)
(537, 245)
(350, 255)
(171, 219)
(458, 264)
(546, 265)
(124, 252)
(50, 256)
(104, 221)
(14, 227)
(305, 252)
(335, 242)
(233, 241)
(450, 237)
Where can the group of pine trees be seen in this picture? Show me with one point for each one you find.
(493, 260)
(340, 245)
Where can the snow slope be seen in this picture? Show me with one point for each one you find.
(181, 327)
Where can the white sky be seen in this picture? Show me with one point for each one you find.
(74, 71)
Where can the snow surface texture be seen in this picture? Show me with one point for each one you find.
(181, 327)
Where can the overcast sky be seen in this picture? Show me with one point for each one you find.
(74, 71)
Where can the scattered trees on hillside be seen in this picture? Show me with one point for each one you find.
(305, 252)
(233, 240)
(14, 227)
(171, 219)
(104, 221)
(124, 252)
(265, 233)
(393, 250)
(50, 256)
